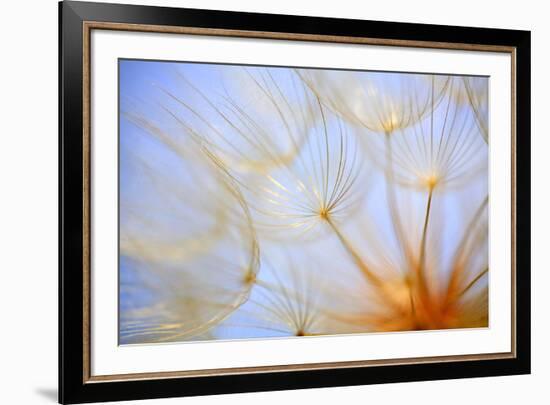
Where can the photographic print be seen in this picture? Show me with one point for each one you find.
(272, 202)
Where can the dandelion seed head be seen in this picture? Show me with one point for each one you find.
(431, 180)
(324, 213)
(380, 102)
(249, 277)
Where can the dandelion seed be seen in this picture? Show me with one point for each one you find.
(444, 150)
(477, 94)
(190, 253)
(254, 121)
(286, 300)
(286, 195)
(379, 101)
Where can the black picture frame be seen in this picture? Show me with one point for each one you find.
(74, 387)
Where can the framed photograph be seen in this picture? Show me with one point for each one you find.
(254, 202)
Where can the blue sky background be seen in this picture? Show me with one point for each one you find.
(141, 84)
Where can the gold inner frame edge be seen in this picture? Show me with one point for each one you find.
(88, 26)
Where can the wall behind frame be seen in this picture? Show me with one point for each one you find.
(28, 207)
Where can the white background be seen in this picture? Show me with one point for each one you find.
(28, 207)
(109, 358)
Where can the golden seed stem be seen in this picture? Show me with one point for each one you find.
(354, 254)
(422, 256)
